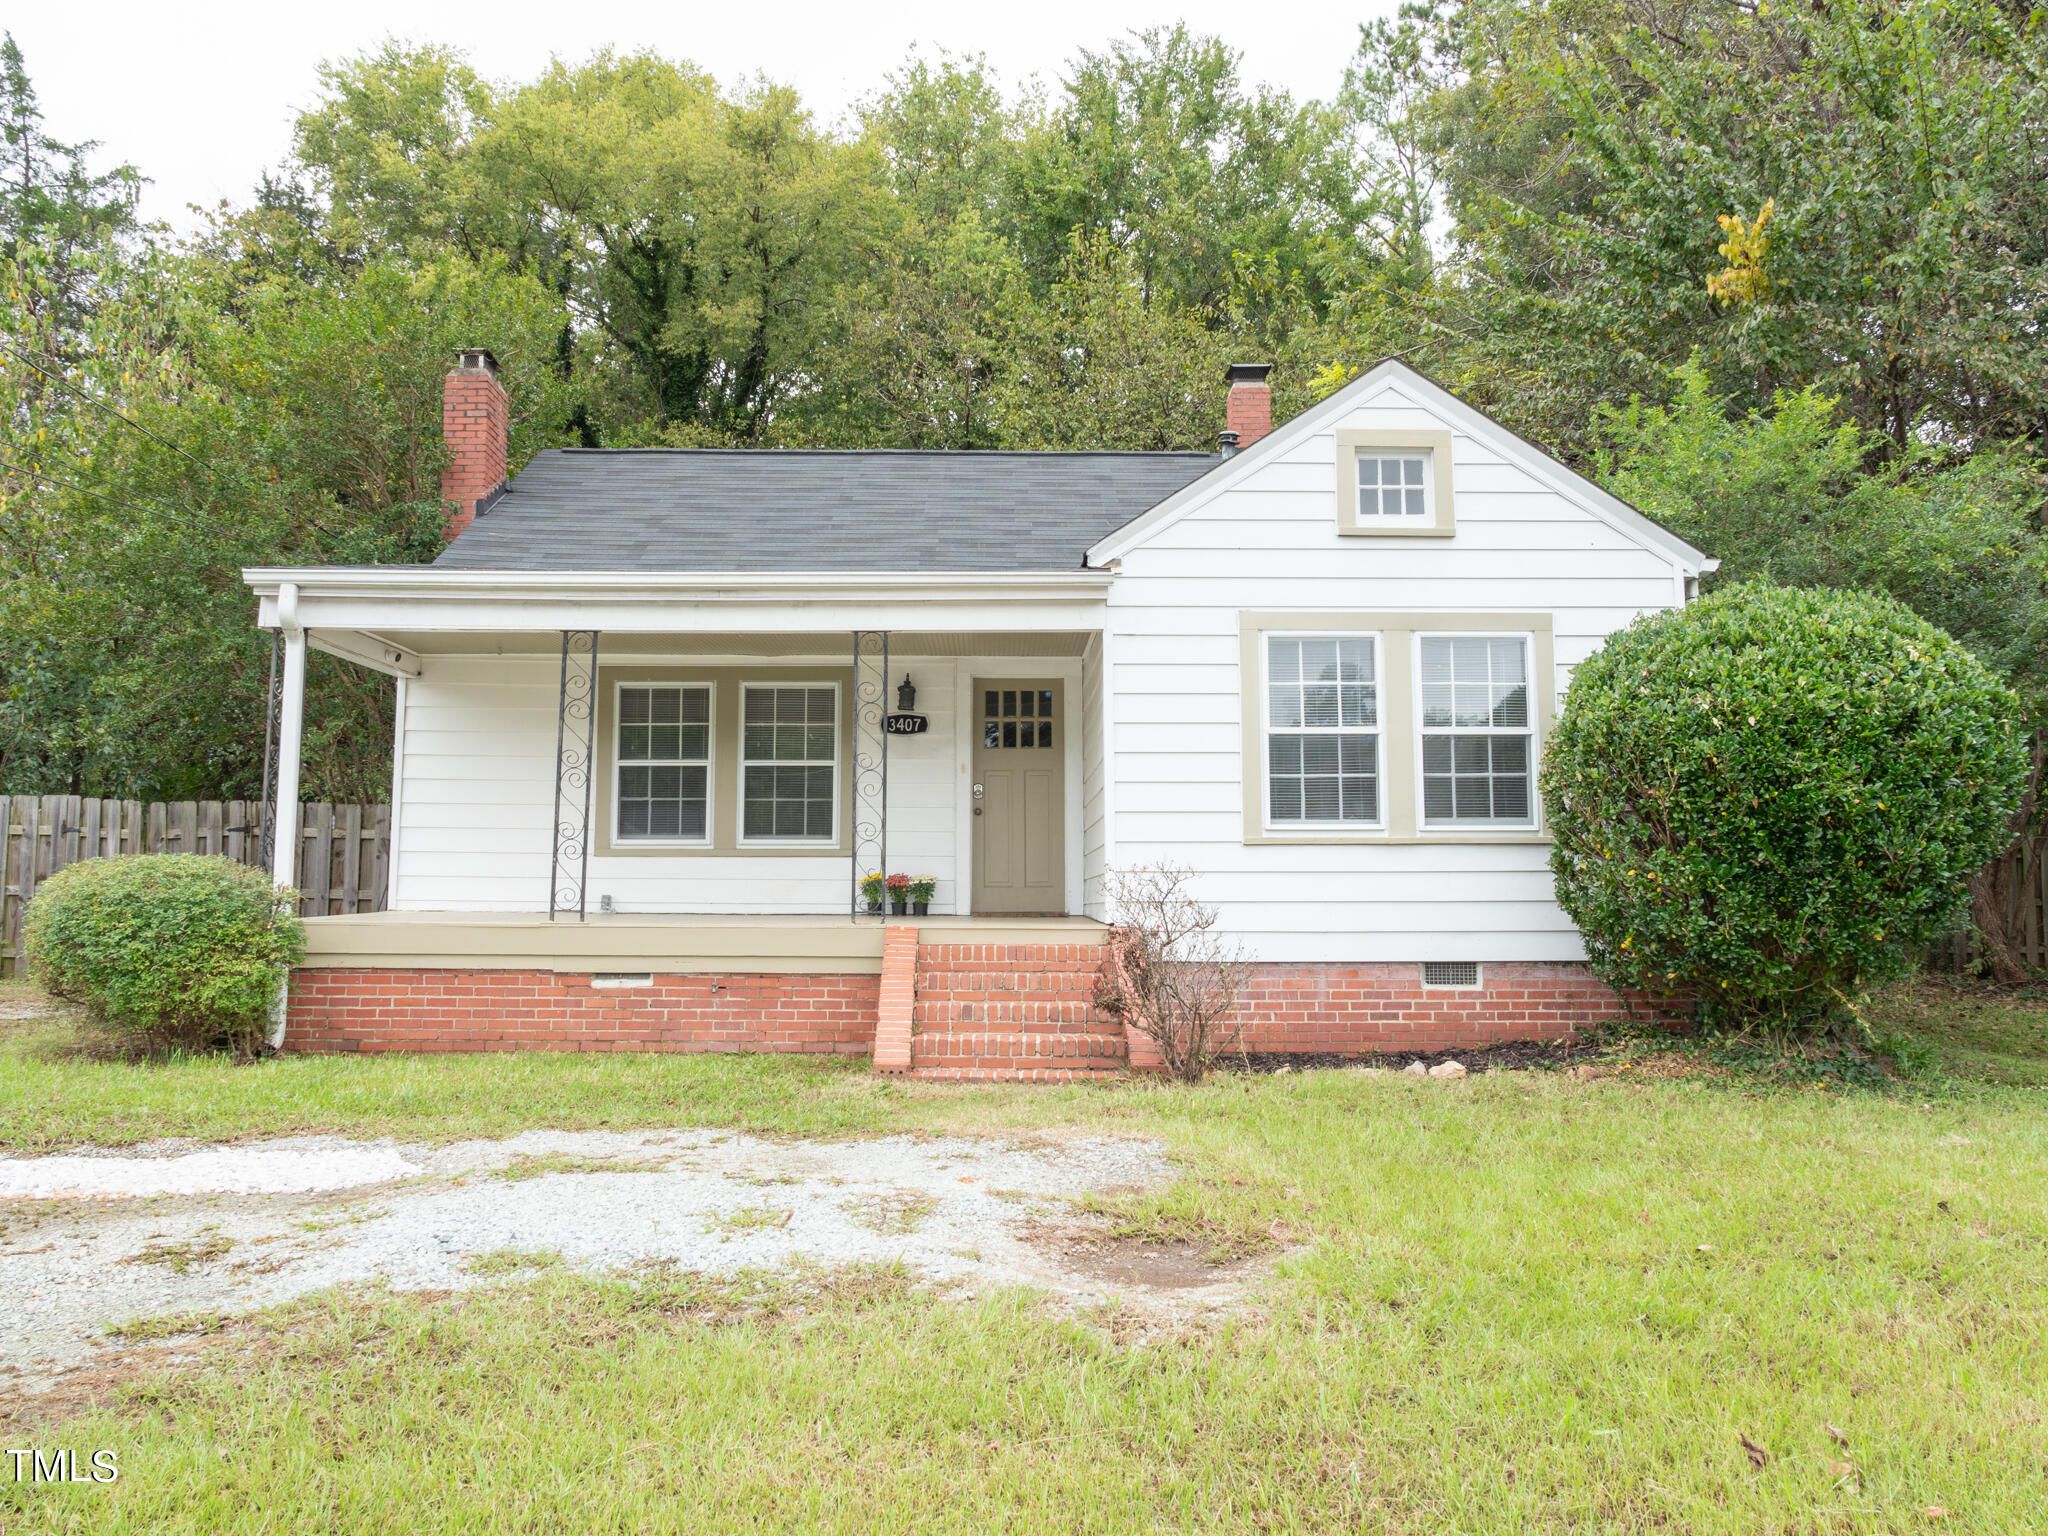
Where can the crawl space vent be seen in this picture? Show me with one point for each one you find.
(1450, 973)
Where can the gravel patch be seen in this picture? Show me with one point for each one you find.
(955, 1210)
(232, 1170)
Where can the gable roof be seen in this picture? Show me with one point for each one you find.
(1470, 420)
(712, 509)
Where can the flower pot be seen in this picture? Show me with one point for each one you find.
(920, 909)
(900, 908)
(875, 907)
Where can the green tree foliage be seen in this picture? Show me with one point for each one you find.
(1844, 195)
(1774, 798)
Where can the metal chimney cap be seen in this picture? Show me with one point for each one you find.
(476, 360)
(1249, 373)
(1226, 443)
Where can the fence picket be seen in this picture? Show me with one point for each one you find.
(344, 850)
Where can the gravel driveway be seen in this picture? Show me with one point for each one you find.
(90, 1240)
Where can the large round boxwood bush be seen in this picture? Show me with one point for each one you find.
(166, 950)
(1773, 798)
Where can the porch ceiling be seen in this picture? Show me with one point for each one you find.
(614, 646)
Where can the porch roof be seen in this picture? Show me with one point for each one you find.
(782, 510)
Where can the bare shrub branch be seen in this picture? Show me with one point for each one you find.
(1169, 975)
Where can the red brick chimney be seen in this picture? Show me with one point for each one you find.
(475, 419)
(1248, 413)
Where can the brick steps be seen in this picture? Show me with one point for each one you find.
(1011, 1013)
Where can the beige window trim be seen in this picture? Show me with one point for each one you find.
(1437, 448)
(1400, 735)
(724, 810)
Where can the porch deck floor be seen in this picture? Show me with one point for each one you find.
(672, 942)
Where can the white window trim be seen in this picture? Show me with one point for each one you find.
(1433, 448)
(622, 840)
(1379, 734)
(1533, 731)
(742, 763)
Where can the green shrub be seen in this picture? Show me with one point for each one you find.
(1772, 799)
(166, 950)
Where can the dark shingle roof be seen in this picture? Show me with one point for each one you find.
(577, 509)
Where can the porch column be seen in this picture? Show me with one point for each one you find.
(284, 806)
(291, 721)
(575, 765)
(869, 761)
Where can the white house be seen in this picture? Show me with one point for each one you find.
(655, 722)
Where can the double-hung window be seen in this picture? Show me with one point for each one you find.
(789, 763)
(662, 786)
(1322, 731)
(1478, 736)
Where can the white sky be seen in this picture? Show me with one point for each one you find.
(200, 97)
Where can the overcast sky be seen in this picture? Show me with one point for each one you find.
(200, 97)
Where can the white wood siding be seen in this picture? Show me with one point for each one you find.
(475, 806)
(1271, 543)
(1094, 844)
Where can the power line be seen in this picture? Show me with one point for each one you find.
(100, 405)
(158, 508)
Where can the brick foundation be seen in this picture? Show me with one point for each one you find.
(433, 1010)
(979, 1010)
(1358, 1009)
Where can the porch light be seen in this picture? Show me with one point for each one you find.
(906, 696)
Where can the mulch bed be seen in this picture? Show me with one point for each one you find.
(1501, 1056)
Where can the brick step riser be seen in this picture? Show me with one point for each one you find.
(1006, 1074)
(1019, 1048)
(984, 981)
(1024, 1016)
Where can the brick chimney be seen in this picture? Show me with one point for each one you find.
(1248, 413)
(475, 419)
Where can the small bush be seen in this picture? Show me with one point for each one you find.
(1166, 972)
(1774, 798)
(165, 950)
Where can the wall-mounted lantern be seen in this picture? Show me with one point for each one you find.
(904, 722)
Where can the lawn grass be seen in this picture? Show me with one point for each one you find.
(1520, 1302)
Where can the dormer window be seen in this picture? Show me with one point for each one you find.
(1393, 486)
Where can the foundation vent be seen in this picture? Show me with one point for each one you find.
(621, 979)
(1450, 973)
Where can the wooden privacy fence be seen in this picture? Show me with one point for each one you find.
(344, 850)
(2019, 890)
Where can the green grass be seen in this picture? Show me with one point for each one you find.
(1516, 1303)
(1978, 1033)
(511, 1261)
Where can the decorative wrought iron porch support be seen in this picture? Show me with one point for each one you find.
(266, 828)
(575, 760)
(870, 758)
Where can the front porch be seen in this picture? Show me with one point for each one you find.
(955, 998)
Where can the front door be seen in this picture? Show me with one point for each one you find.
(1019, 801)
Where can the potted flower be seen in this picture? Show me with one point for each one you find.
(899, 895)
(922, 888)
(871, 892)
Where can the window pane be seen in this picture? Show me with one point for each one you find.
(1411, 471)
(633, 783)
(1319, 799)
(1009, 733)
(1283, 754)
(696, 743)
(664, 742)
(1027, 706)
(789, 739)
(819, 707)
(1359, 798)
(758, 742)
(665, 706)
(760, 706)
(818, 743)
(1283, 660)
(1511, 705)
(991, 734)
(1045, 733)
(1360, 755)
(988, 703)
(665, 818)
(632, 743)
(1286, 796)
(1354, 661)
(1436, 754)
(1358, 705)
(759, 818)
(1414, 502)
(1009, 701)
(697, 705)
(1368, 471)
(1436, 659)
(1474, 704)
(1284, 707)
(1045, 703)
(1319, 661)
(1436, 798)
(1318, 754)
